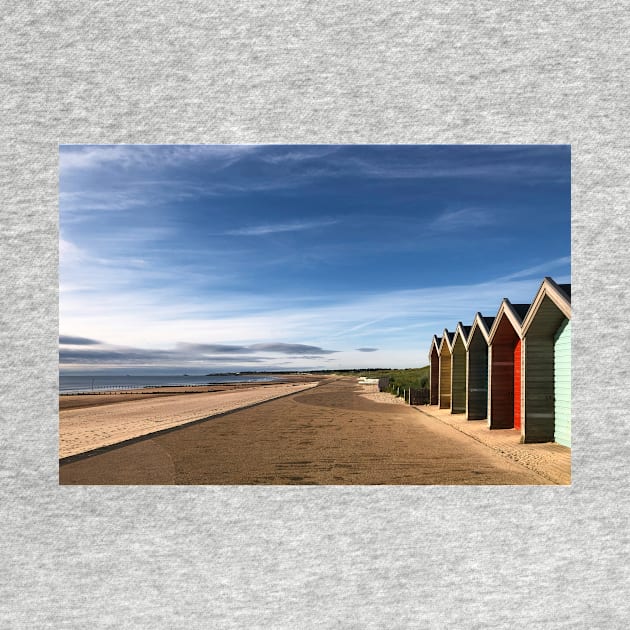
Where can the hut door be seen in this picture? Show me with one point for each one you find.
(435, 376)
(562, 384)
(517, 385)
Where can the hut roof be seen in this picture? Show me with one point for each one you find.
(566, 288)
(559, 294)
(483, 324)
(521, 309)
(463, 332)
(513, 312)
(447, 338)
(435, 343)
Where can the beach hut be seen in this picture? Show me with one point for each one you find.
(458, 369)
(504, 366)
(434, 370)
(446, 347)
(477, 368)
(546, 333)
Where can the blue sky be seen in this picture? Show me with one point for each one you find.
(210, 258)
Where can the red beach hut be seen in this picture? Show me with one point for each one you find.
(434, 370)
(546, 333)
(446, 348)
(458, 369)
(477, 368)
(504, 359)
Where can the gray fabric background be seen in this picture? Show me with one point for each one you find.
(330, 72)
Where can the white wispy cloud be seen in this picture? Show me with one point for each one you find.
(273, 228)
(362, 326)
(82, 158)
(299, 153)
(402, 323)
(453, 220)
(536, 270)
(87, 158)
(70, 253)
(77, 201)
(505, 163)
(140, 161)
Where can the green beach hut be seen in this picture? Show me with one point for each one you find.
(477, 368)
(434, 370)
(446, 348)
(546, 332)
(458, 369)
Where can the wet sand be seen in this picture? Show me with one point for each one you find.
(332, 434)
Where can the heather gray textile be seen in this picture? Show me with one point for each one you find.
(327, 72)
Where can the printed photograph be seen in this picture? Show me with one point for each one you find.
(315, 314)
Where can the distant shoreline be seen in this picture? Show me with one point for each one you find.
(84, 384)
(76, 400)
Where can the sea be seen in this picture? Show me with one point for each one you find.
(75, 384)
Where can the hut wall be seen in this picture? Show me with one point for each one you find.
(502, 390)
(539, 413)
(434, 376)
(445, 378)
(539, 379)
(517, 385)
(458, 398)
(477, 399)
(562, 384)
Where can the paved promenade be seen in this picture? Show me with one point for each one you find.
(336, 433)
(550, 460)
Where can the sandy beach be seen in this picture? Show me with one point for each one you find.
(339, 432)
(89, 422)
